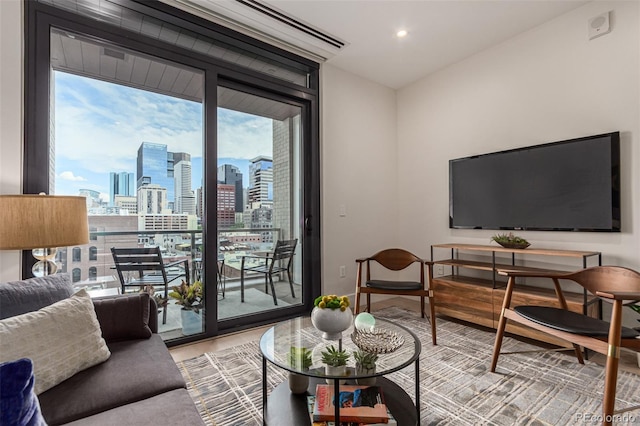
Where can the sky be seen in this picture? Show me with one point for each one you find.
(99, 127)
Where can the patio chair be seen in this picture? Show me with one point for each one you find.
(150, 268)
(273, 263)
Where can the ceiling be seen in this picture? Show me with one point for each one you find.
(440, 33)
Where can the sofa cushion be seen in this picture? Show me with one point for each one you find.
(18, 402)
(60, 339)
(136, 370)
(170, 408)
(19, 297)
(124, 317)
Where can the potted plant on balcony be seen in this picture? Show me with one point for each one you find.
(336, 362)
(189, 296)
(365, 365)
(300, 360)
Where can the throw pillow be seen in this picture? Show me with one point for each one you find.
(19, 404)
(61, 340)
(124, 317)
(19, 297)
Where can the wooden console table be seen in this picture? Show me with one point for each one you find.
(477, 296)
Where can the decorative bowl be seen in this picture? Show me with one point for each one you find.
(332, 322)
(515, 245)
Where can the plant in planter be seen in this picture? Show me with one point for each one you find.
(331, 315)
(299, 359)
(365, 364)
(189, 296)
(336, 362)
(510, 241)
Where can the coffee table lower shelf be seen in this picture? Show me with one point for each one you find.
(287, 409)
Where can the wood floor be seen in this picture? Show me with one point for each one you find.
(628, 359)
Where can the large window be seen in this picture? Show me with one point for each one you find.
(181, 135)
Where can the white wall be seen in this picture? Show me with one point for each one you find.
(548, 84)
(359, 171)
(10, 116)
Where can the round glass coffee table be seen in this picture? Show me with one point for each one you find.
(283, 408)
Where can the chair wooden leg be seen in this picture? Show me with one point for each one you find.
(273, 290)
(502, 324)
(369, 302)
(422, 306)
(611, 368)
(357, 307)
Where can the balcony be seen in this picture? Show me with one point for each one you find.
(91, 267)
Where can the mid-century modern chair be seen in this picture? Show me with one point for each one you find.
(150, 268)
(273, 263)
(614, 284)
(396, 259)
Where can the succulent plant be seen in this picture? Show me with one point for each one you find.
(365, 360)
(300, 358)
(334, 357)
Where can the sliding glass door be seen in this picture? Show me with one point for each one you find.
(260, 238)
(215, 164)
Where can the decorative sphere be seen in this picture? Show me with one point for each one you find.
(332, 322)
(364, 321)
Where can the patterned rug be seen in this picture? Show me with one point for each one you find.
(456, 387)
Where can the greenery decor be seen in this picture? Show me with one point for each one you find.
(332, 302)
(189, 296)
(300, 358)
(510, 241)
(365, 360)
(334, 357)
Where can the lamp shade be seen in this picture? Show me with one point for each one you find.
(42, 221)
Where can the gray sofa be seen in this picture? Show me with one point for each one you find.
(138, 385)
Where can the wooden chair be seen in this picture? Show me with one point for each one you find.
(150, 268)
(614, 284)
(273, 263)
(396, 259)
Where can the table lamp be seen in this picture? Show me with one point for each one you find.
(42, 223)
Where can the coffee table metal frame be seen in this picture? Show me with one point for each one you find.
(291, 332)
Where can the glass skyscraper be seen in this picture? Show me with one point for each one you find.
(231, 175)
(120, 184)
(155, 166)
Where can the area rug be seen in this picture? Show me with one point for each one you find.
(456, 387)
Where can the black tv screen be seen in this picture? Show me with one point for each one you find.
(571, 185)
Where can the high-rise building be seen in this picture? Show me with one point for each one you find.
(231, 175)
(185, 200)
(261, 182)
(155, 166)
(120, 184)
(226, 206)
(152, 199)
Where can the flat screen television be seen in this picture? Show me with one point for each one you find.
(571, 185)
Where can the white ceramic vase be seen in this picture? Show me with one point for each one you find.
(332, 322)
(330, 370)
(368, 381)
(298, 383)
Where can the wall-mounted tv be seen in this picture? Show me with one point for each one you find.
(571, 185)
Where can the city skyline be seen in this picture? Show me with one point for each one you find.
(118, 119)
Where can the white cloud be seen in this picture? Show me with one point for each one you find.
(70, 176)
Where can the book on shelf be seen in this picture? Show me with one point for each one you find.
(311, 399)
(358, 404)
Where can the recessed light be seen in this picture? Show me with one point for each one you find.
(401, 33)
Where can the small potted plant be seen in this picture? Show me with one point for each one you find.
(510, 241)
(365, 365)
(331, 315)
(300, 360)
(336, 362)
(189, 296)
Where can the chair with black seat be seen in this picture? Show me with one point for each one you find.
(150, 268)
(396, 259)
(277, 262)
(617, 285)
